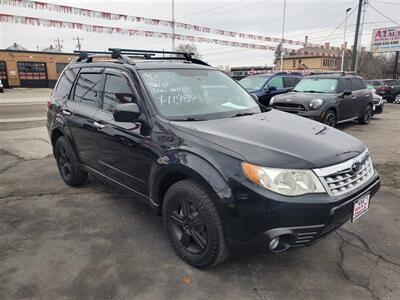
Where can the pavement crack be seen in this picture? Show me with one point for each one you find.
(365, 246)
(345, 274)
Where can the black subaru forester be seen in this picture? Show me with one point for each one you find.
(221, 169)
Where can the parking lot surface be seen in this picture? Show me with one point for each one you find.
(95, 242)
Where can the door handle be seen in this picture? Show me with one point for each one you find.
(354, 98)
(66, 112)
(98, 125)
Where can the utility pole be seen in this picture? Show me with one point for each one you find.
(396, 65)
(360, 35)
(344, 39)
(78, 40)
(59, 44)
(283, 33)
(173, 25)
(355, 46)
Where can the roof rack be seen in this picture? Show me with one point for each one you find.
(334, 73)
(87, 56)
(151, 54)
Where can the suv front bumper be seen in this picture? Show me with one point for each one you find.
(300, 221)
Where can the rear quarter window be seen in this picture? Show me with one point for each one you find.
(357, 84)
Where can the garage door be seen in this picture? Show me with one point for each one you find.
(3, 74)
(32, 74)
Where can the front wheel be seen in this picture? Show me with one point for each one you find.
(367, 115)
(193, 225)
(330, 118)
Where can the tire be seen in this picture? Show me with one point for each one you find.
(330, 118)
(66, 163)
(1, 90)
(367, 115)
(193, 225)
(397, 99)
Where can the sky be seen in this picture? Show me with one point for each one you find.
(319, 19)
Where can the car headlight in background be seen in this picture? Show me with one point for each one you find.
(287, 182)
(315, 104)
(271, 101)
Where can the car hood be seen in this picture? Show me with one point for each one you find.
(301, 98)
(277, 139)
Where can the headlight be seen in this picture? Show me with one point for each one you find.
(315, 104)
(271, 101)
(284, 181)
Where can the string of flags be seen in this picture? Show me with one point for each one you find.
(149, 21)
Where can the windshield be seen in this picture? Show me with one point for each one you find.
(253, 82)
(316, 85)
(190, 94)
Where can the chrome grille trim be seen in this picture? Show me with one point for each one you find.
(340, 179)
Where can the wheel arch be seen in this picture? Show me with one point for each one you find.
(162, 176)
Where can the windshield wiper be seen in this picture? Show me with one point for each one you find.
(311, 92)
(243, 114)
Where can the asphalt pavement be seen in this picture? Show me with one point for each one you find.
(95, 242)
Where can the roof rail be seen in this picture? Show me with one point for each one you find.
(341, 73)
(151, 54)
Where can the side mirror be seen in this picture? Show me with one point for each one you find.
(255, 97)
(127, 112)
(272, 88)
(346, 93)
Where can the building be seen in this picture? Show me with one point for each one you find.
(241, 72)
(313, 58)
(21, 68)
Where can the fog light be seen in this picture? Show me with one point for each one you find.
(274, 243)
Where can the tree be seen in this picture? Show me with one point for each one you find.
(191, 48)
(277, 54)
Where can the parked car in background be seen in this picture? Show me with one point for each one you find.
(389, 89)
(220, 168)
(331, 99)
(376, 99)
(265, 86)
(1, 87)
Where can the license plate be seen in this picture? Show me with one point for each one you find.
(361, 206)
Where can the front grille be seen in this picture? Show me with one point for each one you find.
(289, 107)
(348, 176)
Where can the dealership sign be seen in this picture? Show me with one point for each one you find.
(386, 39)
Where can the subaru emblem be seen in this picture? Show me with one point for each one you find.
(355, 167)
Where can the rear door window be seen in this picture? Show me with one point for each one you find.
(87, 89)
(117, 91)
(64, 84)
(276, 82)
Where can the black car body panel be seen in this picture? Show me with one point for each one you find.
(145, 157)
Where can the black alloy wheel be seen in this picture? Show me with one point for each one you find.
(67, 167)
(330, 118)
(188, 226)
(193, 224)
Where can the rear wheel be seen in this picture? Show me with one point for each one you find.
(397, 99)
(330, 118)
(66, 163)
(367, 115)
(193, 224)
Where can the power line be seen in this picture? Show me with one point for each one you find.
(382, 14)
